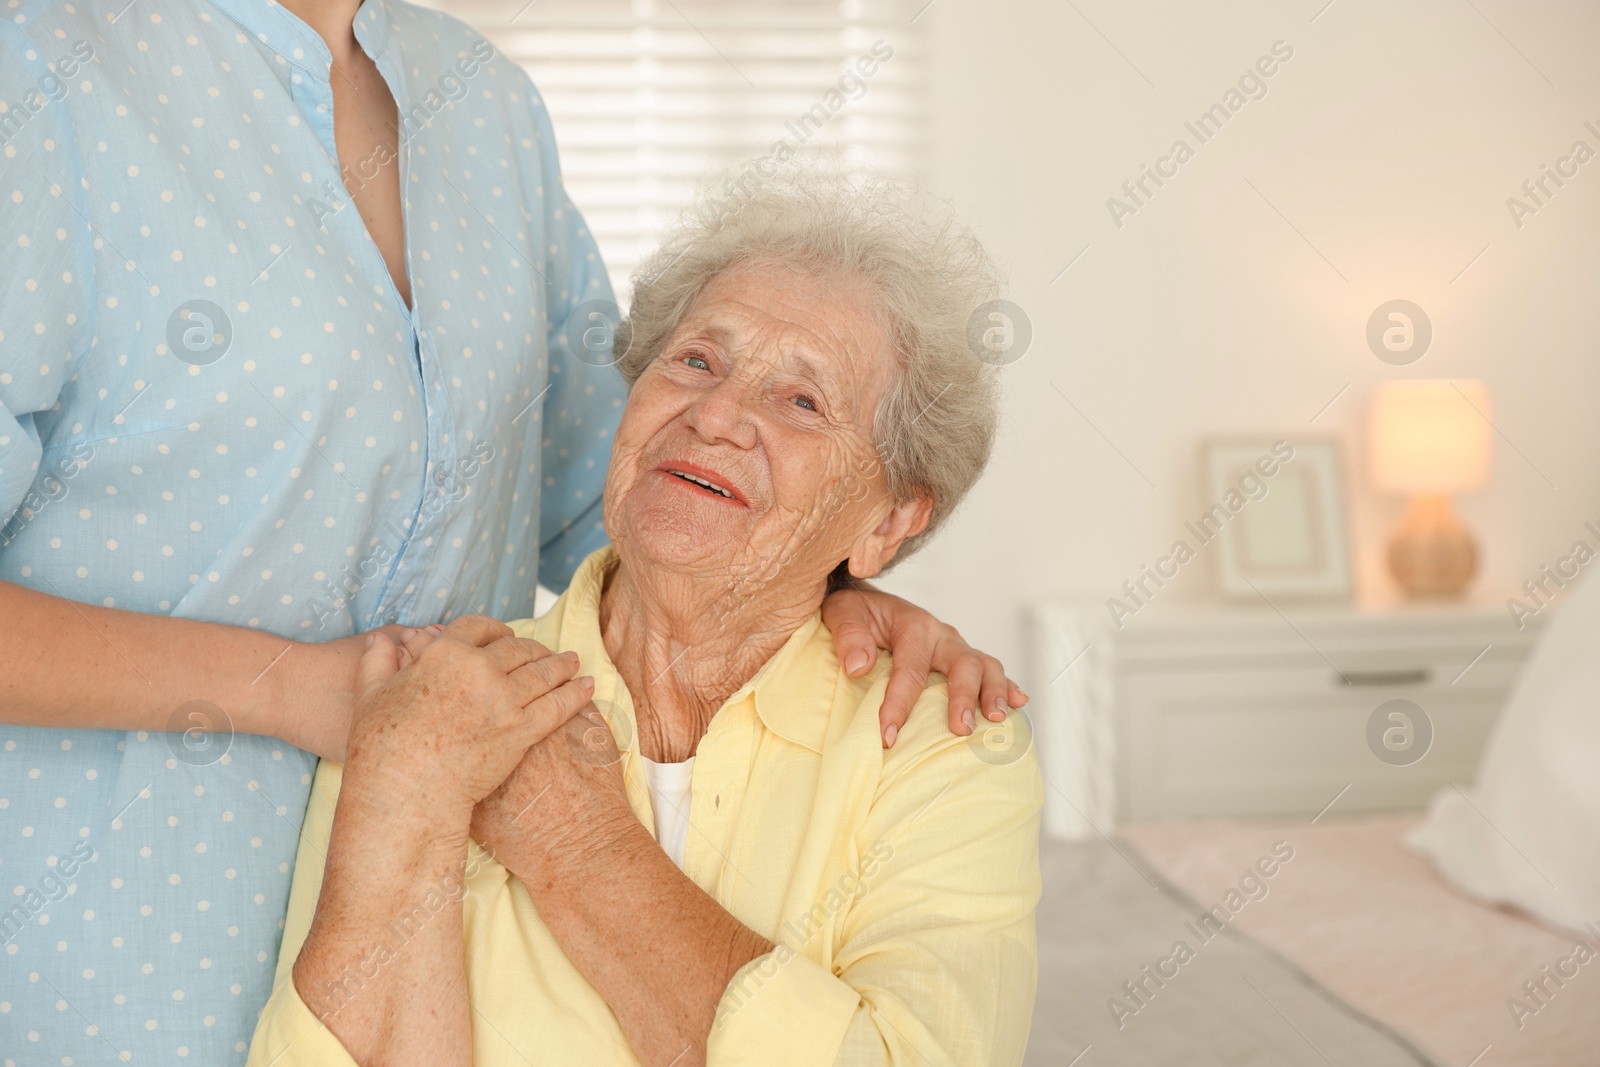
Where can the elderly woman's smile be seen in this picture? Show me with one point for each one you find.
(743, 429)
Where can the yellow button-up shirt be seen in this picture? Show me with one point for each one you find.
(898, 886)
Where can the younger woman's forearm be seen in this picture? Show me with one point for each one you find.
(74, 665)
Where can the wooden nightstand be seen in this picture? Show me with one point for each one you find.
(1208, 710)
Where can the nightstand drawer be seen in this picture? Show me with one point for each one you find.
(1283, 741)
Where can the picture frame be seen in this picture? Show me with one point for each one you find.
(1275, 514)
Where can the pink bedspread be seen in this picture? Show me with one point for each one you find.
(1372, 922)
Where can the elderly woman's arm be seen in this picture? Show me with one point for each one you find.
(653, 944)
(934, 963)
(935, 959)
(384, 952)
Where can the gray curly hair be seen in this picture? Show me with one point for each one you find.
(935, 427)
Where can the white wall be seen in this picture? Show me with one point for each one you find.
(1391, 140)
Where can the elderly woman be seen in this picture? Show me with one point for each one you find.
(719, 861)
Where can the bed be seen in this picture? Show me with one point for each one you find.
(1354, 951)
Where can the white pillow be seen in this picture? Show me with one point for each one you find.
(1528, 833)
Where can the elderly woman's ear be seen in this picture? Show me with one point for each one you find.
(874, 550)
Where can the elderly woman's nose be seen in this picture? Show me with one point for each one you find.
(726, 413)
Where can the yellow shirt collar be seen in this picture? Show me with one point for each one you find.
(793, 692)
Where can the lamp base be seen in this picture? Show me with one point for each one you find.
(1431, 554)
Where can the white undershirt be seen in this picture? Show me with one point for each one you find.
(669, 799)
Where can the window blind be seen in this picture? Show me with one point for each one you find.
(648, 97)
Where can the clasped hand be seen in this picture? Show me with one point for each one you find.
(495, 731)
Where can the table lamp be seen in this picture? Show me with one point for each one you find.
(1430, 439)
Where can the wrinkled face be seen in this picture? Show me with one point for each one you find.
(746, 447)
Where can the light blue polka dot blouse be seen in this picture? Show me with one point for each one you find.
(214, 404)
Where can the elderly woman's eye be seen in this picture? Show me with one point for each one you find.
(806, 402)
(697, 362)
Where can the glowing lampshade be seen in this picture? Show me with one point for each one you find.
(1430, 436)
